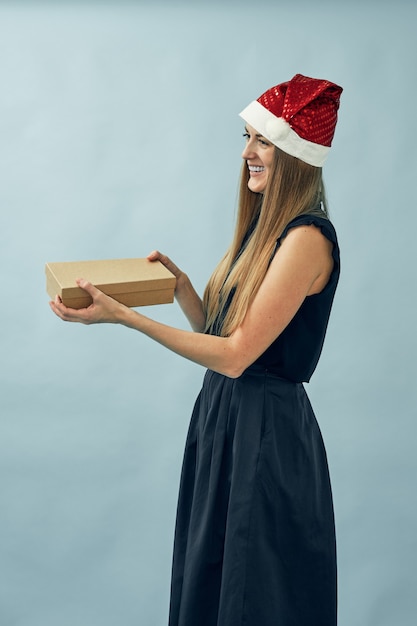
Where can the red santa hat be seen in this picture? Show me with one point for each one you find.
(298, 116)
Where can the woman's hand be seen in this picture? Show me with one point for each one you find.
(174, 269)
(102, 310)
(185, 294)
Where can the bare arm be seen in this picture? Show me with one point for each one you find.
(185, 294)
(301, 267)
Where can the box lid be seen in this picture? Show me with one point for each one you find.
(112, 276)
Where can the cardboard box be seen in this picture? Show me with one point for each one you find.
(134, 282)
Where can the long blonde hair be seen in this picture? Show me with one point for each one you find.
(293, 188)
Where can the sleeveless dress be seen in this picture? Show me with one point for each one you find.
(255, 538)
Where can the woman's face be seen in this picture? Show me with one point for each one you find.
(259, 156)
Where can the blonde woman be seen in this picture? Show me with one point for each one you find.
(255, 540)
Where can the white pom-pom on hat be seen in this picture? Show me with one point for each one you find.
(277, 129)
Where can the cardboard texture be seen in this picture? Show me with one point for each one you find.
(133, 282)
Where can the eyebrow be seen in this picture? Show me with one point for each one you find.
(257, 134)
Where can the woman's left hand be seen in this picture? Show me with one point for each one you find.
(103, 309)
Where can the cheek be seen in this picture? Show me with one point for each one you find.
(268, 168)
(269, 161)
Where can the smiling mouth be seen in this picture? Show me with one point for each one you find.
(256, 169)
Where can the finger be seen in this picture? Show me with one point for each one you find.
(88, 287)
(166, 261)
(59, 309)
(158, 256)
(154, 255)
(67, 314)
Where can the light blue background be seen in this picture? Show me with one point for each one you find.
(119, 134)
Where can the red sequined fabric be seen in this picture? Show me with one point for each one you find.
(309, 105)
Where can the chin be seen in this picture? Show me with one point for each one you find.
(256, 186)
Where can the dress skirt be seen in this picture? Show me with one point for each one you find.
(255, 539)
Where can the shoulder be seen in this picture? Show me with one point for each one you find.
(305, 233)
(308, 248)
(310, 223)
(312, 231)
(307, 241)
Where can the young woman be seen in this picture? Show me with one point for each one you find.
(255, 540)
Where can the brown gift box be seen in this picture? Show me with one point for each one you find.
(133, 282)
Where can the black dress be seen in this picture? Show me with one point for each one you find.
(255, 539)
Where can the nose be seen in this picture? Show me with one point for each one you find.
(248, 150)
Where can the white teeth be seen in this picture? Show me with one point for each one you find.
(255, 168)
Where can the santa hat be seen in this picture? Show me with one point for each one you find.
(298, 116)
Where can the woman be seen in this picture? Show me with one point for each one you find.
(255, 540)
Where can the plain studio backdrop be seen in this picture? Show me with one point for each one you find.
(119, 133)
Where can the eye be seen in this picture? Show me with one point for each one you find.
(246, 136)
(263, 142)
